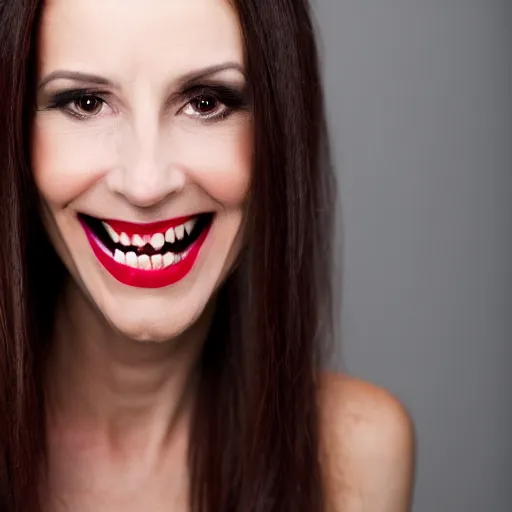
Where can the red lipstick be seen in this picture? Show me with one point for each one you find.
(157, 272)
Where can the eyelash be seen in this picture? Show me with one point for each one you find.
(230, 98)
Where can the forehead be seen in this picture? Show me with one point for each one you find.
(125, 38)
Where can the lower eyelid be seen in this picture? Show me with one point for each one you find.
(71, 110)
(75, 112)
(194, 114)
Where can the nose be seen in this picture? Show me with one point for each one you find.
(146, 174)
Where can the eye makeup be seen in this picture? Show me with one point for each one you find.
(208, 102)
(66, 99)
(230, 98)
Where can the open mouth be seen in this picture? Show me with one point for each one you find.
(147, 255)
(148, 250)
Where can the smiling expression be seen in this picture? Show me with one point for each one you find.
(141, 153)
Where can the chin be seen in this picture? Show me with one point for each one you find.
(156, 328)
(153, 318)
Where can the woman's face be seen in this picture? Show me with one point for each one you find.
(142, 153)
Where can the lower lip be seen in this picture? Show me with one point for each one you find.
(145, 278)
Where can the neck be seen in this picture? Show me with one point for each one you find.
(125, 391)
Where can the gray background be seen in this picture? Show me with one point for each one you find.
(419, 102)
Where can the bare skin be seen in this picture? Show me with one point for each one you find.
(121, 376)
(367, 453)
(368, 447)
(118, 435)
(119, 416)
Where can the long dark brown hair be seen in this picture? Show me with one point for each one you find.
(254, 443)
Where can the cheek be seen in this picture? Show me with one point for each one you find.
(66, 161)
(221, 165)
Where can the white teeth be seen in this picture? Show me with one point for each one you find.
(125, 240)
(120, 257)
(137, 241)
(170, 236)
(189, 226)
(157, 261)
(131, 260)
(144, 262)
(111, 232)
(157, 241)
(168, 259)
(180, 232)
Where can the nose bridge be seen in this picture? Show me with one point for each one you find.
(145, 175)
(142, 161)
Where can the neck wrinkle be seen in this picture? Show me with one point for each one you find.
(127, 392)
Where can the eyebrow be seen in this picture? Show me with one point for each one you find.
(183, 81)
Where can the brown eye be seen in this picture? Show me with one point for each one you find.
(89, 105)
(204, 105)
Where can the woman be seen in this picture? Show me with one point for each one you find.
(165, 217)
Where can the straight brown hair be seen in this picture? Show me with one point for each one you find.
(254, 443)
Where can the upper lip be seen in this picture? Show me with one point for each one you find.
(147, 228)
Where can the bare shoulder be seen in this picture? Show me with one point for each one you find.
(367, 447)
